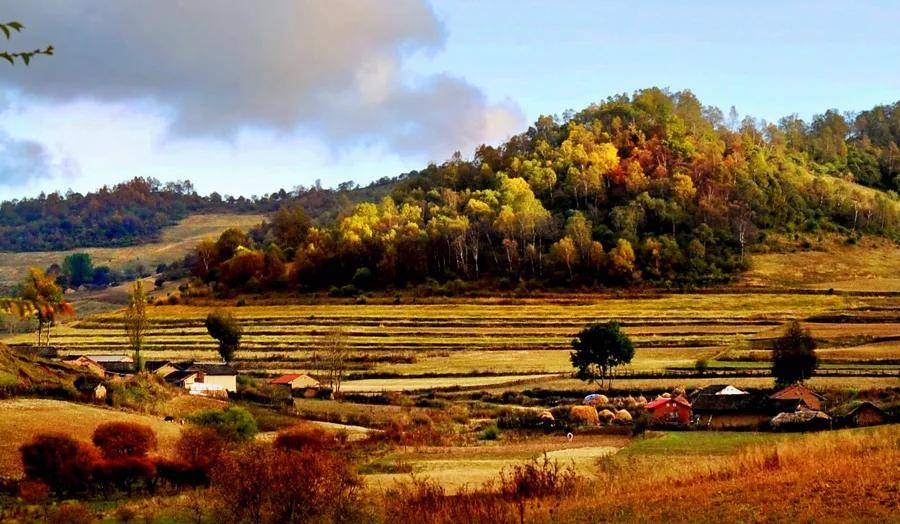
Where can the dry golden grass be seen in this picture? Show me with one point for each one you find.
(871, 265)
(21, 419)
(842, 476)
(174, 243)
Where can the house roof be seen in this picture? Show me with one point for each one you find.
(746, 403)
(213, 368)
(662, 401)
(794, 391)
(179, 376)
(800, 417)
(851, 408)
(109, 358)
(153, 365)
(119, 368)
(87, 382)
(290, 377)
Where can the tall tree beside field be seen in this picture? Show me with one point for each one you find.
(42, 298)
(136, 322)
(335, 351)
(599, 348)
(223, 327)
(794, 356)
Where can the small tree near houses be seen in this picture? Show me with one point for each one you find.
(599, 348)
(223, 327)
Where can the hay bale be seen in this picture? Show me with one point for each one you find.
(618, 402)
(630, 402)
(641, 400)
(678, 391)
(586, 415)
(546, 416)
(598, 400)
(606, 416)
(665, 395)
(623, 417)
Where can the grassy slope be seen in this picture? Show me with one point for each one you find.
(24, 417)
(871, 265)
(175, 242)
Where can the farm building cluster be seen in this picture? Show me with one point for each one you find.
(725, 407)
(215, 379)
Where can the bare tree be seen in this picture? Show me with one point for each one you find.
(335, 351)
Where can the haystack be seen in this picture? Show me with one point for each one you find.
(546, 416)
(666, 395)
(641, 400)
(607, 416)
(586, 415)
(623, 417)
(630, 402)
(678, 391)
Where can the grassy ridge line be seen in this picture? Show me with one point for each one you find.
(175, 242)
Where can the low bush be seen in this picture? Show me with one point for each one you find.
(200, 448)
(233, 424)
(306, 436)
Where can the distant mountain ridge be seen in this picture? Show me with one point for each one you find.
(134, 212)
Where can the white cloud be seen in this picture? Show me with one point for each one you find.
(327, 69)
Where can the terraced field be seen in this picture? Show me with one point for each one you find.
(490, 341)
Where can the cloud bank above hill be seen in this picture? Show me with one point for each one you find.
(332, 70)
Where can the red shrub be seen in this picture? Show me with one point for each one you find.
(124, 439)
(71, 513)
(201, 448)
(179, 473)
(125, 473)
(308, 437)
(265, 484)
(33, 491)
(61, 462)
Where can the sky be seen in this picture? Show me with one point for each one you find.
(246, 98)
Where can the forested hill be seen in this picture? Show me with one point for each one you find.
(134, 212)
(653, 187)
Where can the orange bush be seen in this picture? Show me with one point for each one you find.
(124, 439)
(201, 448)
(306, 436)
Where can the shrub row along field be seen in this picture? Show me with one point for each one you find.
(509, 338)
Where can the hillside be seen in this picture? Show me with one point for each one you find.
(649, 189)
(24, 373)
(173, 244)
(137, 211)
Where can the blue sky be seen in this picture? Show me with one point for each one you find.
(278, 94)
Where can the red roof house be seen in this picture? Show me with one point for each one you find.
(296, 381)
(676, 409)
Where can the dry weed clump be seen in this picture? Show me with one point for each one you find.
(541, 483)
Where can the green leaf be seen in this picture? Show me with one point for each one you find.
(15, 25)
(26, 57)
(5, 30)
(8, 58)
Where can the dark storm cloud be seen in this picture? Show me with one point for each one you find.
(333, 69)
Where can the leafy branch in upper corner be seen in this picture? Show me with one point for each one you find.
(25, 56)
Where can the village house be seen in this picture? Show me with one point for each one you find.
(85, 362)
(160, 367)
(90, 387)
(717, 407)
(809, 399)
(181, 379)
(297, 382)
(670, 410)
(216, 373)
(862, 414)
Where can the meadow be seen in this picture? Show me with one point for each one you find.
(174, 242)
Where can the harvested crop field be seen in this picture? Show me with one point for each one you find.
(484, 342)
